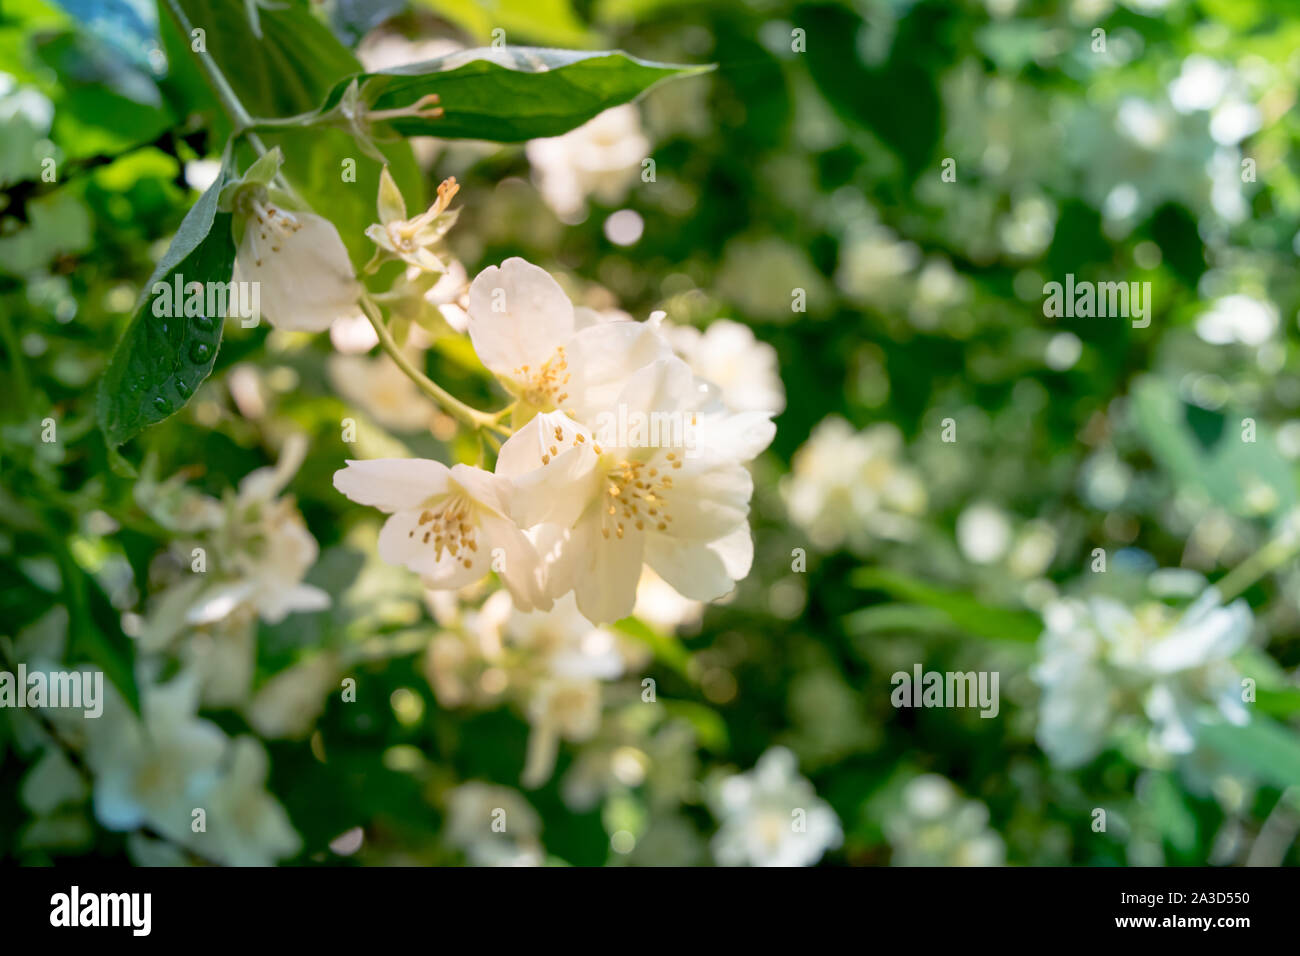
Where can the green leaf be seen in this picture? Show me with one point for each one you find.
(1170, 812)
(95, 629)
(105, 104)
(59, 224)
(295, 62)
(511, 94)
(1284, 702)
(897, 617)
(710, 728)
(666, 648)
(160, 361)
(1250, 479)
(964, 612)
(1275, 694)
(1265, 748)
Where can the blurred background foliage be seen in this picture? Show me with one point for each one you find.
(814, 166)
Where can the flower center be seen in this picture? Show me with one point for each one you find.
(541, 387)
(403, 232)
(270, 225)
(636, 495)
(446, 526)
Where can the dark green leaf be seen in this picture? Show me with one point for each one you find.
(288, 70)
(160, 361)
(1206, 450)
(511, 94)
(95, 630)
(1269, 750)
(666, 648)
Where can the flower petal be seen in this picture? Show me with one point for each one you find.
(401, 541)
(520, 567)
(555, 491)
(518, 315)
(702, 571)
(390, 204)
(1211, 635)
(304, 276)
(605, 570)
(707, 503)
(392, 484)
(603, 357)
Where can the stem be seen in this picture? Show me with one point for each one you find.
(243, 122)
(238, 115)
(470, 416)
(1268, 558)
(18, 365)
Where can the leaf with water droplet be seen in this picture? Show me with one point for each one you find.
(161, 360)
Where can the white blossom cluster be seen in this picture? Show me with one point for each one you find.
(1104, 666)
(585, 493)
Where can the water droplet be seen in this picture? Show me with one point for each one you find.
(205, 322)
(200, 352)
(161, 403)
(184, 388)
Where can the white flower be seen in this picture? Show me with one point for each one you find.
(569, 658)
(601, 158)
(223, 657)
(605, 512)
(1102, 664)
(523, 328)
(157, 771)
(412, 240)
(288, 704)
(983, 533)
(296, 259)
(1200, 84)
(301, 266)
(936, 827)
(771, 816)
(847, 486)
(264, 549)
(493, 825)
(246, 826)
(353, 335)
(727, 355)
(449, 525)
(567, 707)
(602, 491)
(153, 773)
(874, 263)
(568, 644)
